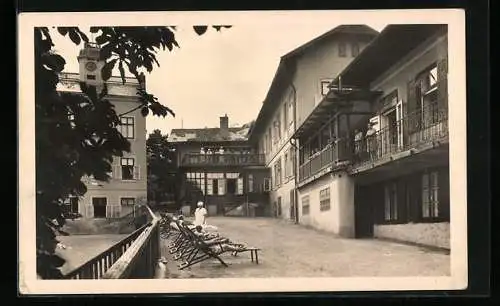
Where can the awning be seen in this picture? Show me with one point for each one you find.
(334, 102)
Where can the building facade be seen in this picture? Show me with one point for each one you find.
(221, 168)
(300, 83)
(373, 156)
(128, 184)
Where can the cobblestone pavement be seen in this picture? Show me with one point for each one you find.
(290, 250)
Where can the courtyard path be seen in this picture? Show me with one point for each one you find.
(290, 250)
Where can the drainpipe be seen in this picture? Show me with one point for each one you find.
(296, 193)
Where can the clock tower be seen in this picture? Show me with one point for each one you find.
(90, 64)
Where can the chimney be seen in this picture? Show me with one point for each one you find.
(224, 126)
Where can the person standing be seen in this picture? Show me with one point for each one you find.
(200, 214)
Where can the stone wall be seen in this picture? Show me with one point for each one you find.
(431, 234)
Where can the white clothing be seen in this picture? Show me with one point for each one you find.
(199, 216)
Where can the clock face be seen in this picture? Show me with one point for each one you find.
(91, 66)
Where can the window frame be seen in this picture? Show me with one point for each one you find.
(132, 171)
(306, 205)
(126, 125)
(127, 198)
(324, 199)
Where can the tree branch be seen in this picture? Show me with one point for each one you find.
(128, 112)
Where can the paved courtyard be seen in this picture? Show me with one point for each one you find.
(81, 248)
(290, 250)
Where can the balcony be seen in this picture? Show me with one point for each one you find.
(331, 155)
(418, 130)
(214, 160)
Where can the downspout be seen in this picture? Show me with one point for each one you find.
(292, 143)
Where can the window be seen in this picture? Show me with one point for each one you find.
(427, 97)
(250, 183)
(197, 180)
(430, 195)
(285, 116)
(290, 109)
(390, 202)
(354, 49)
(127, 168)
(127, 201)
(216, 184)
(231, 186)
(292, 161)
(324, 199)
(286, 166)
(342, 49)
(269, 139)
(277, 130)
(99, 204)
(71, 205)
(305, 205)
(277, 173)
(127, 127)
(239, 189)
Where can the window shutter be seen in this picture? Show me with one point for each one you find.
(222, 187)
(412, 106)
(442, 86)
(240, 186)
(137, 172)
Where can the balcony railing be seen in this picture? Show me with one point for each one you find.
(133, 257)
(420, 127)
(337, 151)
(192, 159)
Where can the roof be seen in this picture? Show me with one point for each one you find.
(286, 68)
(393, 43)
(209, 134)
(388, 48)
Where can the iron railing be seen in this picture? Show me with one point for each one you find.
(419, 127)
(193, 159)
(336, 151)
(135, 256)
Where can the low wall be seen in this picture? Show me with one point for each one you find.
(430, 234)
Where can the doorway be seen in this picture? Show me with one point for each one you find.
(99, 204)
(363, 212)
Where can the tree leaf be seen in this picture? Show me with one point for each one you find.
(62, 30)
(75, 38)
(144, 111)
(107, 69)
(200, 30)
(54, 61)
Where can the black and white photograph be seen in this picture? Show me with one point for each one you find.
(259, 151)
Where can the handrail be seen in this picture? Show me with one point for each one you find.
(417, 127)
(223, 159)
(134, 256)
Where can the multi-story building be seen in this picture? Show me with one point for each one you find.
(373, 155)
(220, 167)
(127, 185)
(300, 83)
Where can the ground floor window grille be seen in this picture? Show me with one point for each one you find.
(390, 202)
(430, 195)
(324, 199)
(305, 205)
(127, 201)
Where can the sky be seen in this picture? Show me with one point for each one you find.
(218, 73)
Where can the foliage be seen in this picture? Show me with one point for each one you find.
(162, 171)
(76, 134)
